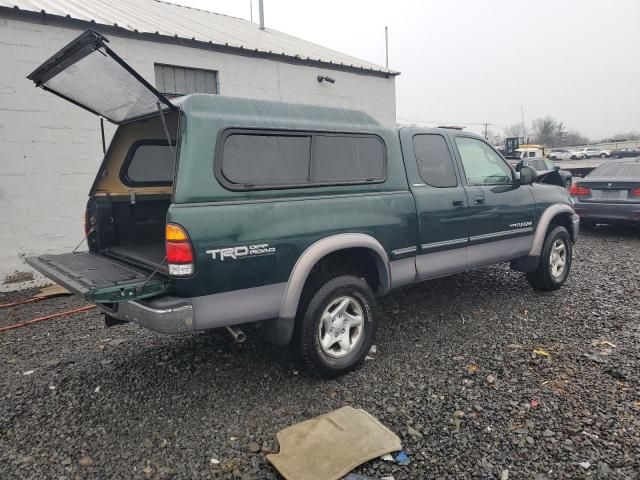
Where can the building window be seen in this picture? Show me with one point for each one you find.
(174, 81)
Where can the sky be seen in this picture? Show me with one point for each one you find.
(474, 61)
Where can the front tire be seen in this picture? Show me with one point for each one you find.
(335, 326)
(567, 183)
(555, 261)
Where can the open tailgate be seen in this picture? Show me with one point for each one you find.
(100, 279)
(89, 74)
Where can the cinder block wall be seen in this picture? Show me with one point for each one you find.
(50, 149)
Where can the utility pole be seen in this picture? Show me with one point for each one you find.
(251, 10)
(486, 136)
(524, 127)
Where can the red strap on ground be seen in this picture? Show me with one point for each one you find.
(22, 302)
(47, 317)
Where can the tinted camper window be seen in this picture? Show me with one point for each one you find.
(266, 159)
(291, 159)
(341, 158)
(149, 162)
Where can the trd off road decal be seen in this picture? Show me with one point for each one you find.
(244, 251)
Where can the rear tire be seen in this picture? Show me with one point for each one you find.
(335, 326)
(555, 261)
(603, 155)
(567, 183)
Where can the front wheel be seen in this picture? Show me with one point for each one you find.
(567, 183)
(335, 327)
(555, 261)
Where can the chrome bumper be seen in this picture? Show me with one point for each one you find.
(163, 315)
(575, 226)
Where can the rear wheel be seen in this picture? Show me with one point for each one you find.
(567, 183)
(603, 155)
(555, 261)
(335, 327)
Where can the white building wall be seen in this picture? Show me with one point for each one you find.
(50, 149)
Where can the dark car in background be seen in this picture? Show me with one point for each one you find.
(626, 152)
(544, 167)
(609, 194)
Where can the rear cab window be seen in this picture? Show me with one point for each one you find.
(268, 159)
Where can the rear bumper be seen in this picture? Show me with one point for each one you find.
(164, 315)
(608, 211)
(168, 314)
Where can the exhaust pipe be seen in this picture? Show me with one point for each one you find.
(237, 334)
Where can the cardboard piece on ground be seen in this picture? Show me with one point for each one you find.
(331, 445)
(52, 291)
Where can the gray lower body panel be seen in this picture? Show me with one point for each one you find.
(499, 251)
(439, 264)
(168, 314)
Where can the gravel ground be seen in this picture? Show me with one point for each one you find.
(454, 376)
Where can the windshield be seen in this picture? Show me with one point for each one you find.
(537, 164)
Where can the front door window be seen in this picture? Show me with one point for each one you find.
(482, 165)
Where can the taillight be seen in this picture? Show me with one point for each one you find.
(576, 190)
(635, 192)
(179, 251)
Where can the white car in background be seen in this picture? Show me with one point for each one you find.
(590, 152)
(559, 154)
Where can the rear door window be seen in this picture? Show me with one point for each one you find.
(149, 162)
(435, 164)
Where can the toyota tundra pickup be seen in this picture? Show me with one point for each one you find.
(210, 211)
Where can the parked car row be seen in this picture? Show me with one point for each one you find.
(592, 152)
(586, 152)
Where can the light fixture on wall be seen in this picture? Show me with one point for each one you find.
(324, 78)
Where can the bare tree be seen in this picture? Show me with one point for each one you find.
(514, 130)
(574, 137)
(544, 130)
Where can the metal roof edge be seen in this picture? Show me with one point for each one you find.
(68, 21)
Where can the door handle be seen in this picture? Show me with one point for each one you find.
(479, 200)
(458, 200)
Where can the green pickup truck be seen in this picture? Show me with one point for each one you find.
(210, 211)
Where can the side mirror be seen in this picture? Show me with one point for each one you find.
(556, 167)
(519, 165)
(527, 175)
